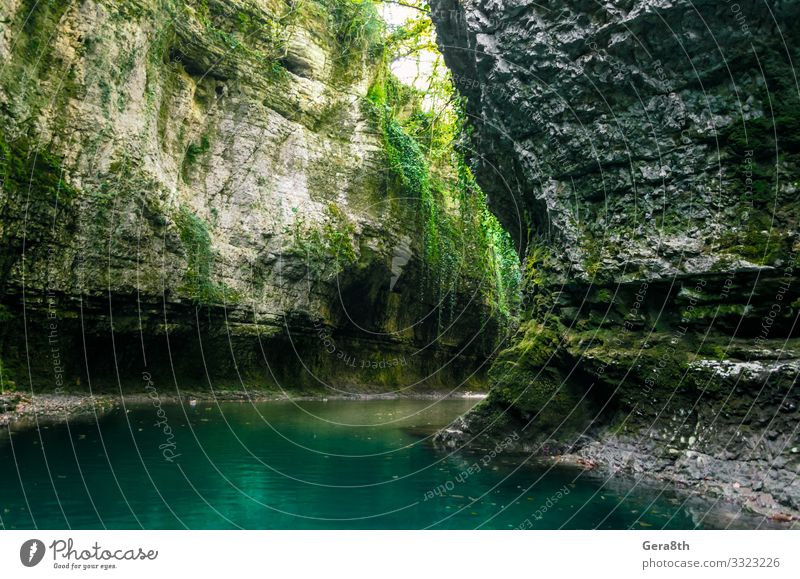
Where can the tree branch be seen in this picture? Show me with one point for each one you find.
(425, 10)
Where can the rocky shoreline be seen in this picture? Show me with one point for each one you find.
(19, 410)
(615, 456)
(606, 458)
(24, 410)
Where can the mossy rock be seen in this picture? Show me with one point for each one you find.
(23, 169)
(760, 242)
(526, 377)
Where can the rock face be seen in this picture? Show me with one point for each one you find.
(646, 156)
(195, 189)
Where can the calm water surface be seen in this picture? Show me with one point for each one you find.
(310, 465)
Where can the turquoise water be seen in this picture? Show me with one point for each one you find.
(308, 465)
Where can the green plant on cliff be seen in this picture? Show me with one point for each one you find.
(196, 239)
(194, 150)
(359, 33)
(327, 248)
(244, 34)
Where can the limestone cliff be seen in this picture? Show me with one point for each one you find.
(645, 154)
(196, 188)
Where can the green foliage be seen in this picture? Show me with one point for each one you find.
(412, 37)
(594, 253)
(245, 35)
(487, 250)
(196, 238)
(388, 91)
(710, 312)
(194, 151)
(329, 249)
(533, 272)
(405, 159)
(359, 33)
(464, 247)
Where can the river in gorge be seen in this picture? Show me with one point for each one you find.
(338, 464)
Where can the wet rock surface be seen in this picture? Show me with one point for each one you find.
(636, 152)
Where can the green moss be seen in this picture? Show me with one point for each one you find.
(8, 382)
(604, 295)
(28, 72)
(535, 344)
(758, 242)
(38, 20)
(523, 374)
(244, 35)
(755, 134)
(712, 311)
(26, 169)
(713, 351)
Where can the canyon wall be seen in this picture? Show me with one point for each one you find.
(196, 190)
(645, 154)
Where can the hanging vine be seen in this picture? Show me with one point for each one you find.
(465, 250)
